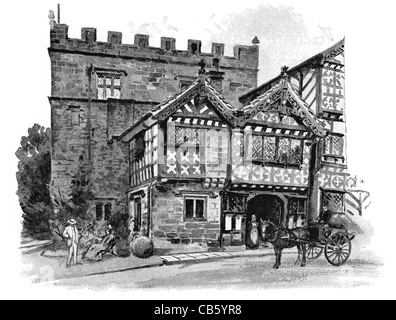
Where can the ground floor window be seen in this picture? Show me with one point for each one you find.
(296, 212)
(195, 208)
(233, 222)
(103, 211)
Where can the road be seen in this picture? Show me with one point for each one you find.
(240, 273)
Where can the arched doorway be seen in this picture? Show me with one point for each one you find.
(265, 207)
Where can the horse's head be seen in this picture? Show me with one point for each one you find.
(267, 229)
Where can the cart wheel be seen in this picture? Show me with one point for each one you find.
(313, 251)
(338, 249)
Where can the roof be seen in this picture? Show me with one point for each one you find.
(282, 92)
(202, 87)
(329, 53)
(167, 108)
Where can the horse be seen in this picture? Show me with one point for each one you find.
(282, 238)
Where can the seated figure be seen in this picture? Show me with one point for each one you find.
(106, 245)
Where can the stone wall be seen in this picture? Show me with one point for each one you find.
(109, 158)
(169, 225)
(148, 73)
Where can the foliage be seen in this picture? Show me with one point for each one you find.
(33, 176)
(120, 223)
(73, 204)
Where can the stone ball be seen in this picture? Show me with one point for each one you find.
(142, 247)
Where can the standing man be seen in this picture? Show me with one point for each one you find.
(72, 236)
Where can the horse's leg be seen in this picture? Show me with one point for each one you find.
(299, 254)
(280, 256)
(304, 255)
(276, 249)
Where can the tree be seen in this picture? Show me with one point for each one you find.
(33, 176)
(73, 202)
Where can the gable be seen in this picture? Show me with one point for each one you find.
(281, 100)
(197, 108)
(274, 118)
(200, 100)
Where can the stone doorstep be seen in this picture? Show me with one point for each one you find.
(180, 258)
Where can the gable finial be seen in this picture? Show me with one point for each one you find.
(284, 70)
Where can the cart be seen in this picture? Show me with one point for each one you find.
(335, 241)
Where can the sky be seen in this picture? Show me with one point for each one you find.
(289, 31)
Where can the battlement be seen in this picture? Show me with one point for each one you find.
(244, 56)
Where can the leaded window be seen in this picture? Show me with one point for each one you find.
(333, 200)
(296, 212)
(276, 149)
(334, 145)
(109, 86)
(183, 136)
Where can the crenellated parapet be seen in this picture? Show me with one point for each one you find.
(245, 57)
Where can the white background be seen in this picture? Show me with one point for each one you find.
(369, 28)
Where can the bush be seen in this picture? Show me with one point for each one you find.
(33, 176)
(120, 223)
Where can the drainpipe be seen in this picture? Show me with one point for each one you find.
(149, 209)
(226, 184)
(312, 181)
(90, 71)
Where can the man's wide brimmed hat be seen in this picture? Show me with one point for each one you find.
(109, 227)
(71, 221)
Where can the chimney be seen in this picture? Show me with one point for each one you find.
(216, 79)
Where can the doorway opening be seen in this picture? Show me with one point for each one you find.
(265, 207)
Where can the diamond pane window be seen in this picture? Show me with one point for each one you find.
(283, 150)
(257, 147)
(327, 145)
(276, 149)
(101, 93)
(334, 145)
(108, 93)
(333, 200)
(117, 94)
(184, 136)
(295, 152)
(338, 145)
(269, 148)
(109, 86)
